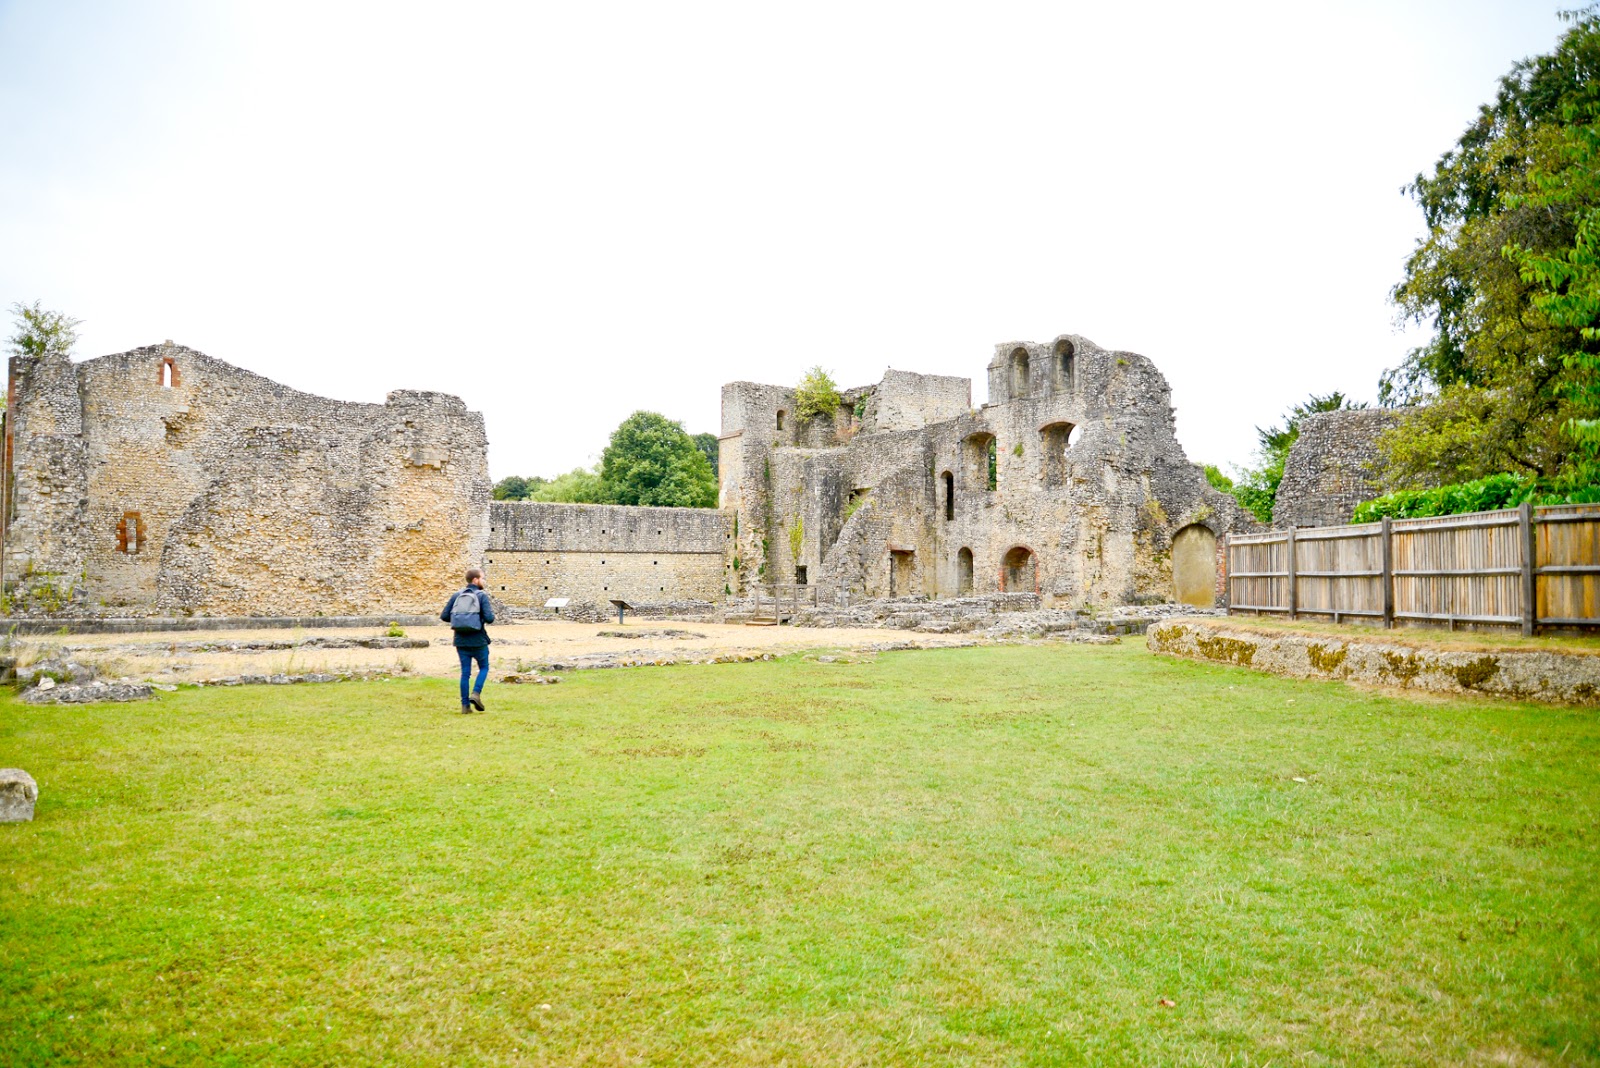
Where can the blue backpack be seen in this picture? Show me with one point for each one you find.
(466, 613)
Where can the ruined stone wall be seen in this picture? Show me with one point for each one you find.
(1091, 486)
(1333, 466)
(596, 552)
(209, 490)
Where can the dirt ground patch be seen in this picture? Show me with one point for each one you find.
(175, 657)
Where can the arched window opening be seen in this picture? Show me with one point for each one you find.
(1057, 442)
(1019, 373)
(780, 418)
(169, 372)
(1065, 352)
(949, 495)
(982, 461)
(964, 571)
(1019, 571)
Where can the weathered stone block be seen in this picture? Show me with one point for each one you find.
(18, 793)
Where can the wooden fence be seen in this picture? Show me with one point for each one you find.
(1526, 567)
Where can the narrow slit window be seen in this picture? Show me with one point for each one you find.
(169, 372)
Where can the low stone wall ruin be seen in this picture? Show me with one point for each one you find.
(1545, 675)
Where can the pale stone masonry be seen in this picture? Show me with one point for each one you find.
(593, 553)
(1069, 483)
(162, 482)
(1332, 467)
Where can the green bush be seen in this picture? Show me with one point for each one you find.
(1480, 495)
(817, 394)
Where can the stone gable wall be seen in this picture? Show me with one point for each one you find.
(204, 489)
(1333, 466)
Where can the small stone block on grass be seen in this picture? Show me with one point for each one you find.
(18, 792)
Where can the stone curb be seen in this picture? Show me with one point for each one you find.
(36, 625)
(1548, 676)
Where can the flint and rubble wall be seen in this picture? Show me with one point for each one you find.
(1333, 466)
(593, 553)
(872, 513)
(208, 490)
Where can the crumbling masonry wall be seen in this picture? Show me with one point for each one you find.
(161, 481)
(1333, 466)
(593, 553)
(1069, 483)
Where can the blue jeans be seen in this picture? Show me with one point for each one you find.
(481, 655)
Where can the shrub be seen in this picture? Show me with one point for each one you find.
(1480, 495)
(817, 394)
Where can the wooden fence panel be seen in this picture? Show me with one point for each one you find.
(1459, 569)
(1477, 570)
(1567, 559)
(1339, 571)
(1258, 575)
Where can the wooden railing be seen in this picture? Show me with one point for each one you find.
(1526, 567)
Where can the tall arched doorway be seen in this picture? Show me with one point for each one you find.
(1019, 571)
(964, 571)
(1194, 566)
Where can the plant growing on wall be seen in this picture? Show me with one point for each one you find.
(817, 394)
(797, 535)
(41, 332)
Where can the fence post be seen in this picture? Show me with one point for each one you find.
(1294, 591)
(1530, 578)
(1227, 572)
(1388, 575)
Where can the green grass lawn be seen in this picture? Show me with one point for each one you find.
(1004, 855)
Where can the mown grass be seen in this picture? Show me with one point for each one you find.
(980, 856)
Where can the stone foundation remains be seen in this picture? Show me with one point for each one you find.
(1545, 675)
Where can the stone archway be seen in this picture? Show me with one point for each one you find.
(1019, 571)
(1194, 566)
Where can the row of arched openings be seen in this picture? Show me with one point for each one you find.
(980, 456)
(1019, 571)
(1063, 370)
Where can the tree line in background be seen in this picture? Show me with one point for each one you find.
(650, 460)
(1502, 404)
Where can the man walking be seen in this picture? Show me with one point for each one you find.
(469, 612)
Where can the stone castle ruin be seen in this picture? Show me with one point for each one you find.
(1069, 484)
(161, 482)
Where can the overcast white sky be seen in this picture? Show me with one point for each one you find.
(567, 212)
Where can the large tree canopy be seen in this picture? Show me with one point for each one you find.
(651, 460)
(1499, 385)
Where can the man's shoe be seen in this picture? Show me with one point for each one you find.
(466, 710)
(477, 701)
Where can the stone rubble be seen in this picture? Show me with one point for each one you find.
(18, 794)
(86, 693)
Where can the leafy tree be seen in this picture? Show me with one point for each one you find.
(651, 460)
(512, 488)
(1565, 282)
(1218, 480)
(817, 394)
(1256, 488)
(41, 332)
(581, 485)
(1504, 371)
(709, 448)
